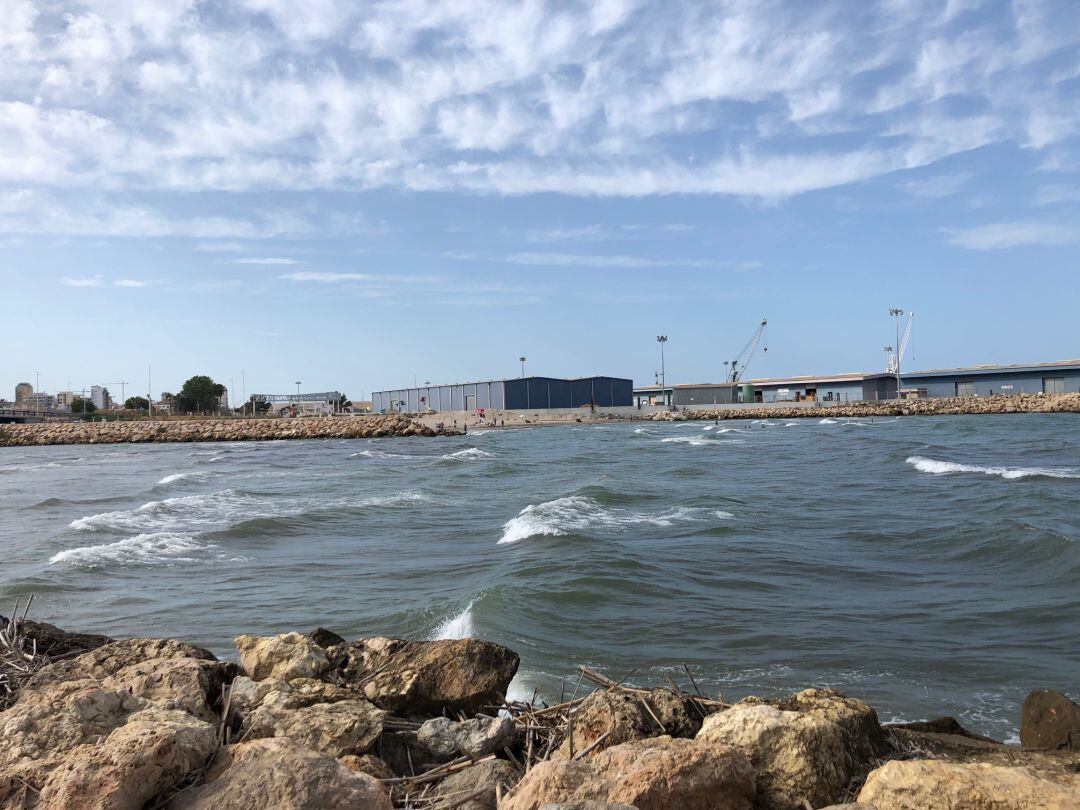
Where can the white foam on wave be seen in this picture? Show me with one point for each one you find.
(154, 548)
(397, 499)
(458, 626)
(468, 454)
(827, 421)
(938, 467)
(378, 454)
(169, 479)
(701, 441)
(187, 513)
(577, 513)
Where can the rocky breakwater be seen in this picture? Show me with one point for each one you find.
(216, 430)
(315, 721)
(954, 406)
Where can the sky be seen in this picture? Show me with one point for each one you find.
(358, 196)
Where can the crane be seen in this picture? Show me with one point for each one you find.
(896, 359)
(743, 358)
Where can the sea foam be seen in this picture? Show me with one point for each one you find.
(938, 467)
(457, 626)
(154, 548)
(580, 514)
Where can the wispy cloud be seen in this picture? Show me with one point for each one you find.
(219, 247)
(329, 278)
(99, 281)
(270, 261)
(614, 261)
(1001, 235)
(942, 185)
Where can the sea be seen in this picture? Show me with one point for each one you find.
(927, 565)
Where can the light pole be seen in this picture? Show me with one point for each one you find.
(522, 361)
(298, 396)
(662, 339)
(896, 312)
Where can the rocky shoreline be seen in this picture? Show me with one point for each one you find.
(954, 406)
(215, 430)
(311, 720)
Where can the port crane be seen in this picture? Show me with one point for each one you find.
(736, 367)
(901, 347)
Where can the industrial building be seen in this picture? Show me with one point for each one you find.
(1036, 378)
(522, 393)
(1060, 377)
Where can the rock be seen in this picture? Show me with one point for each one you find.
(1049, 721)
(51, 721)
(281, 774)
(403, 753)
(337, 729)
(146, 756)
(625, 716)
(935, 785)
(653, 774)
(325, 638)
(191, 684)
(372, 766)
(480, 782)
(51, 641)
(285, 657)
(111, 658)
(809, 751)
(447, 739)
(428, 677)
(939, 725)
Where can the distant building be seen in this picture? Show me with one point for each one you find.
(518, 394)
(1037, 378)
(39, 402)
(64, 400)
(22, 391)
(99, 395)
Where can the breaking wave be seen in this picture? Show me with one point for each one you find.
(169, 479)
(937, 467)
(701, 441)
(579, 514)
(468, 454)
(186, 513)
(155, 548)
(458, 626)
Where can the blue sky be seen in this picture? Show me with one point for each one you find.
(368, 193)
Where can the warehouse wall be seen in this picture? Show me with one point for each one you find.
(1028, 382)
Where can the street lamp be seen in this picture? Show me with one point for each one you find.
(298, 395)
(522, 361)
(896, 312)
(662, 339)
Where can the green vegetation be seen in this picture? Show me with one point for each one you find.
(200, 394)
(80, 405)
(137, 403)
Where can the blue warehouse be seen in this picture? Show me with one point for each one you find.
(519, 394)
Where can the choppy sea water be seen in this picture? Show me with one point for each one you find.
(928, 565)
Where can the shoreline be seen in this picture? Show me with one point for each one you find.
(383, 723)
(368, 426)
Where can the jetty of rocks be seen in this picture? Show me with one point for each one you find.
(312, 720)
(952, 406)
(216, 430)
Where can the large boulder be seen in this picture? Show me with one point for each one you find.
(429, 677)
(109, 659)
(477, 786)
(653, 774)
(153, 751)
(322, 716)
(284, 657)
(191, 684)
(626, 716)
(282, 774)
(1049, 721)
(937, 785)
(447, 739)
(807, 749)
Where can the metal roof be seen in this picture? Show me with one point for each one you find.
(994, 368)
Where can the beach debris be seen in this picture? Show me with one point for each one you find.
(1050, 721)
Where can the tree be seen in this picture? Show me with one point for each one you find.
(343, 403)
(80, 405)
(137, 403)
(199, 394)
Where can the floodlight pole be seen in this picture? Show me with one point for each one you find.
(896, 312)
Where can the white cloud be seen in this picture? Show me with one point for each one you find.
(265, 261)
(219, 247)
(942, 185)
(1001, 235)
(99, 281)
(584, 98)
(329, 278)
